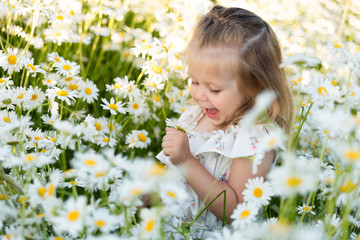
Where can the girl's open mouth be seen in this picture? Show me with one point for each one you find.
(212, 112)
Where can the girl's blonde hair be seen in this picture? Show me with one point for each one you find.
(257, 62)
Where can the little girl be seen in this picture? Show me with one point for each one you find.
(232, 57)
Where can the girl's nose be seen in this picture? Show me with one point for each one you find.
(201, 94)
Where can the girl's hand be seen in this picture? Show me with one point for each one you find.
(176, 145)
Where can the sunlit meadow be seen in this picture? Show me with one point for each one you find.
(86, 88)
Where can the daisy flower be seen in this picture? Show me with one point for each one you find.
(150, 223)
(55, 57)
(244, 214)
(5, 81)
(172, 194)
(263, 101)
(61, 94)
(37, 97)
(15, 30)
(20, 95)
(138, 139)
(55, 35)
(155, 70)
(104, 141)
(153, 84)
(131, 191)
(48, 120)
(114, 107)
(11, 61)
(295, 176)
(29, 65)
(89, 162)
(137, 107)
(67, 68)
(51, 80)
(88, 91)
(305, 209)
(100, 31)
(124, 87)
(257, 191)
(102, 220)
(72, 217)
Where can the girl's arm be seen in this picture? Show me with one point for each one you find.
(176, 146)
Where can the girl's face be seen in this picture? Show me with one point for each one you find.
(213, 85)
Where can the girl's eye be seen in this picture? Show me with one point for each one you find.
(215, 91)
(194, 83)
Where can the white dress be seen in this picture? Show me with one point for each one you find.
(215, 150)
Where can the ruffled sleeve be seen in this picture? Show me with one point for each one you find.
(236, 142)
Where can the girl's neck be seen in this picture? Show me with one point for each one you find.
(204, 125)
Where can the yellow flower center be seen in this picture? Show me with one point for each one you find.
(51, 189)
(322, 91)
(12, 59)
(337, 45)
(156, 69)
(244, 214)
(73, 215)
(100, 223)
(30, 157)
(41, 191)
(59, 17)
(149, 225)
(117, 85)
(90, 162)
(88, 91)
(136, 192)
(110, 127)
(34, 97)
(157, 169)
(73, 86)
(166, 49)
(97, 126)
(62, 93)
(157, 98)
(66, 67)
(347, 187)
(6, 119)
(2, 80)
(105, 139)
(258, 192)
(135, 106)
(142, 137)
(37, 138)
(2, 197)
(57, 59)
(352, 155)
(306, 208)
(58, 238)
(72, 12)
(68, 79)
(293, 181)
(112, 106)
(101, 174)
(171, 194)
(145, 46)
(31, 66)
(21, 95)
(57, 34)
(22, 199)
(178, 67)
